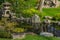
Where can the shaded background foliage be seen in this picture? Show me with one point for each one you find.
(20, 5)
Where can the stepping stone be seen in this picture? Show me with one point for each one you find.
(46, 34)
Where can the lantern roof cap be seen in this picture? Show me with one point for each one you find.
(6, 3)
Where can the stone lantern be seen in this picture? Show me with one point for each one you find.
(6, 9)
(35, 21)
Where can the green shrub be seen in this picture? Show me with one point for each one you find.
(4, 34)
(10, 25)
(18, 30)
(57, 17)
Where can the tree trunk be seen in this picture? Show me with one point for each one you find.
(40, 6)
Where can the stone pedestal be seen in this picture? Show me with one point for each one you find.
(18, 36)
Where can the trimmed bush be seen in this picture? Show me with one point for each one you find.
(18, 30)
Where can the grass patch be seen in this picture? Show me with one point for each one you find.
(51, 11)
(35, 37)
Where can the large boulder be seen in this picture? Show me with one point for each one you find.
(46, 34)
